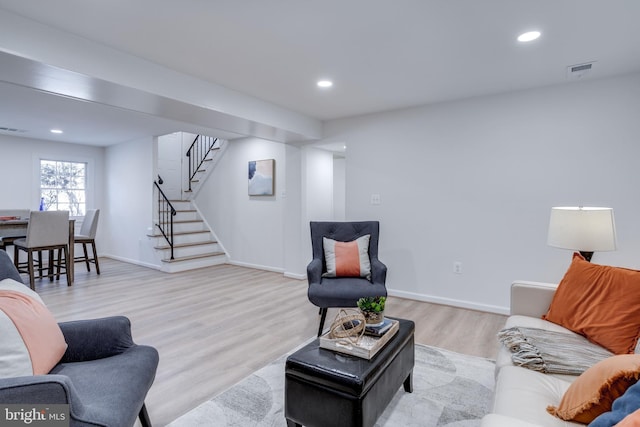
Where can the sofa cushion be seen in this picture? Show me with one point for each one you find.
(524, 394)
(600, 302)
(32, 342)
(595, 390)
(347, 259)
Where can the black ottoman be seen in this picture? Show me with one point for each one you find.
(328, 389)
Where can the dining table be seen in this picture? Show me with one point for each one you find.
(14, 226)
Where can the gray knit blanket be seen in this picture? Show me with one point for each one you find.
(551, 352)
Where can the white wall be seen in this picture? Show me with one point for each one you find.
(19, 171)
(473, 181)
(250, 228)
(339, 183)
(129, 202)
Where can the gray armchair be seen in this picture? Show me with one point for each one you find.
(103, 375)
(325, 292)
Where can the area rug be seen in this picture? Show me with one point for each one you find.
(449, 389)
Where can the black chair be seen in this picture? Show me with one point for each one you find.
(325, 292)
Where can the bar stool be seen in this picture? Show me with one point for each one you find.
(88, 236)
(47, 231)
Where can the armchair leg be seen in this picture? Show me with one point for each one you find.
(144, 416)
(323, 313)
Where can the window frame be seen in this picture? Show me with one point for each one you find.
(89, 177)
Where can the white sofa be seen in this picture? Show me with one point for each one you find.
(522, 395)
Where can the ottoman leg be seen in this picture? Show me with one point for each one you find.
(292, 423)
(408, 383)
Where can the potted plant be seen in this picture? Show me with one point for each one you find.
(373, 309)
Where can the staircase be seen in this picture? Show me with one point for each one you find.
(194, 244)
(182, 239)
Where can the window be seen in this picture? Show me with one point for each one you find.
(63, 186)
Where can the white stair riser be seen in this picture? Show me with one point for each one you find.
(179, 227)
(183, 238)
(190, 250)
(181, 205)
(186, 216)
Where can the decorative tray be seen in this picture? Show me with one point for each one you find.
(366, 347)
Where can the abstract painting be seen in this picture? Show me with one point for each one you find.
(261, 180)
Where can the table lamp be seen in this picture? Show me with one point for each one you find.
(583, 229)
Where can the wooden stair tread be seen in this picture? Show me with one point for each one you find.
(191, 257)
(186, 245)
(179, 233)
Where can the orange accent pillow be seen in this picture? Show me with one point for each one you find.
(593, 392)
(600, 302)
(347, 259)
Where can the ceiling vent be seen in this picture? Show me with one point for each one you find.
(579, 71)
(8, 129)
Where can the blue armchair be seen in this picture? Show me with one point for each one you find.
(103, 376)
(325, 292)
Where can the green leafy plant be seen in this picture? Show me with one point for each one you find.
(372, 304)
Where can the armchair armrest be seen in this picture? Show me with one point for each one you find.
(531, 298)
(378, 271)
(314, 271)
(96, 338)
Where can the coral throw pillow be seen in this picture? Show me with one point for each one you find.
(347, 259)
(31, 342)
(631, 420)
(593, 392)
(600, 302)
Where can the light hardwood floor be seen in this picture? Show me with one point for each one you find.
(214, 326)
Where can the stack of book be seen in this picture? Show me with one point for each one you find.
(379, 330)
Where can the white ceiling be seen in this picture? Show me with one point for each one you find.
(381, 54)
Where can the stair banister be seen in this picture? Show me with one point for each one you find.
(198, 152)
(166, 212)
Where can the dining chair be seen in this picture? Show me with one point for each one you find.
(87, 236)
(47, 231)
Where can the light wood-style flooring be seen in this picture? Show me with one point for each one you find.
(214, 326)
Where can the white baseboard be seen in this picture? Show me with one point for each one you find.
(295, 275)
(131, 261)
(448, 301)
(257, 266)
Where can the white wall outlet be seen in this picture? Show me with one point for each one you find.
(457, 267)
(375, 199)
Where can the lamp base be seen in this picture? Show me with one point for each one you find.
(586, 255)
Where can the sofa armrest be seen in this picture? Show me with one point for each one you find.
(531, 298)
(96, 338)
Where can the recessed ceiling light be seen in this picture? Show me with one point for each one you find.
(325, 83)
(56, 131)
(528, 36)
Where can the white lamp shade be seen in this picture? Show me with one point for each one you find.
(586, 229)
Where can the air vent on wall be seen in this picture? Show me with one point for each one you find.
(579, 71)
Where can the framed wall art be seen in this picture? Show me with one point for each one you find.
(261, 177)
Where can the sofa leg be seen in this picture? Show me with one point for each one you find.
(144, 416)
(323, 313)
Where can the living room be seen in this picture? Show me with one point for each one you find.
(467, 181)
